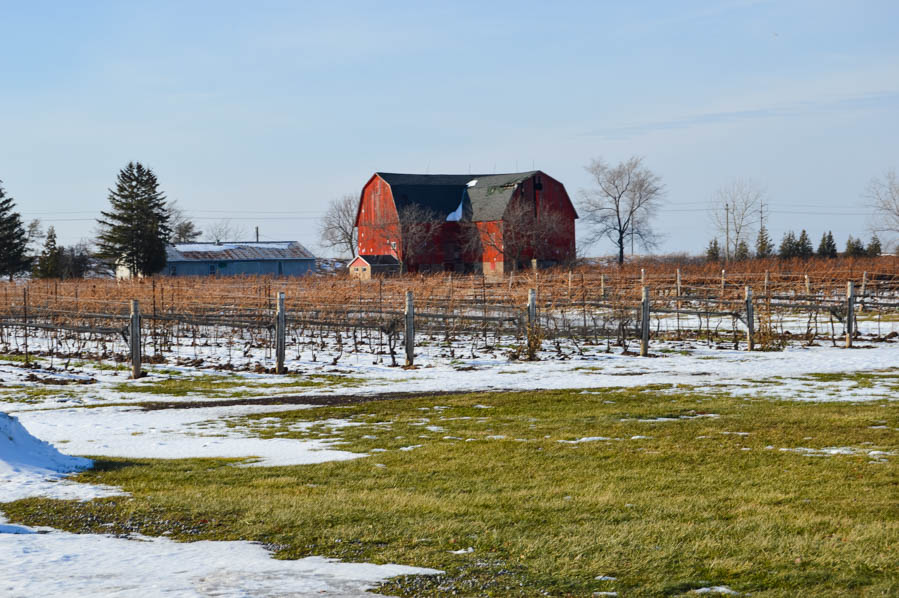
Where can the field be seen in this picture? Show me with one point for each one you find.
(587, 471)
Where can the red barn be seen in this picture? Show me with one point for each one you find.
(490, 223)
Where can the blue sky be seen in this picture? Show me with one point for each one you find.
(262, 112)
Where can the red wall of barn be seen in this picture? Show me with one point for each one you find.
(377, 220)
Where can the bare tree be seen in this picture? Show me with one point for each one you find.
(735, 211)
(883, 195)
(183, 229)
(224, 230)
(337, 229)
(524, 232)
(622, 203)
(419, 228)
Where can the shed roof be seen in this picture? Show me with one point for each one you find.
(484, 196)
(237, 251)
(378, 260)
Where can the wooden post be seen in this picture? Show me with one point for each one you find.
(532, 308)
(410, 329)
(766, 284)
(850, 313)
(644, 323)
(750, 321)
(134, 339)
(25, 319)
(677, 292)
(808, 287)
(569, 287)
(642, 276)
(723, 275)
(602, 287)
(280, 335)
(861, 306)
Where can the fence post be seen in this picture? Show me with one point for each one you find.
(644, 323)
(602, 287)
(808, 287)
(532, 308)
(410, 329)
(134, 339)
(25, 319)
(280, 335)
(723, 274)
(766, 284)
(677, 292)
(850, 313)
(750, 321)
(861, 306)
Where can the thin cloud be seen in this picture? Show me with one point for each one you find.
(860, 102)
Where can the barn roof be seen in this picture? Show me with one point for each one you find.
(237, 251)
(483, 196)
(378, 260)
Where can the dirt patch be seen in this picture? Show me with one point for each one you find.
(317, 400)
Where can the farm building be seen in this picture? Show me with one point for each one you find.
(363, 266)
(280, 258)
(491, 224)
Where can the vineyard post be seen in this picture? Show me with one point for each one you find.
(280, 335)
(766, 284)
(861, 306)
(532, 308)
(642, 276)
(410, 329)
(25, 318)
(644, 323)
(569, 287)
(808, 287)
(750, 320)
(134, 339)
(850, 313)
(677, 292)
(723, 277)
(602, 286)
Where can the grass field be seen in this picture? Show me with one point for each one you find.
(666, 490)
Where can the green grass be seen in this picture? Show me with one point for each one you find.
(685, 508)
(18, 358)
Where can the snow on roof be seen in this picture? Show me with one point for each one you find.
(238, 250)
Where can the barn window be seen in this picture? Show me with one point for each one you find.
(364, 269)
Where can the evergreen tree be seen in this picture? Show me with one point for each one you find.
(742, 252)
(713, 252)
(873, 249)
(854, 248)
(185, 232)
(763, 246)
(13, 240)
(804, 248)
(135, 232)
(49, 261)
(788, 247)
(828, 247)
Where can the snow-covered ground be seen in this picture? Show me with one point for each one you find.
(49, 562)
(88, 410)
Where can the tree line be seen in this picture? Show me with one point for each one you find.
(132, 234)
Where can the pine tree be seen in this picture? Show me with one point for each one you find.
(49, 262)
(135, 232)
(828, 247)
(713, 252)
(763, 246)
(13, 241)
(742, 252)
(874, 248)
(788, 247)
(854, 248)
(804, 248)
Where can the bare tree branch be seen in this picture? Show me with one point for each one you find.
(622, 203)
(337, 229)
(223, 230)
(883, 196)
(735, 212)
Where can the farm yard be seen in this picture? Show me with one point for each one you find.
(522, 448)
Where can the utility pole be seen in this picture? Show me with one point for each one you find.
(726, 232)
